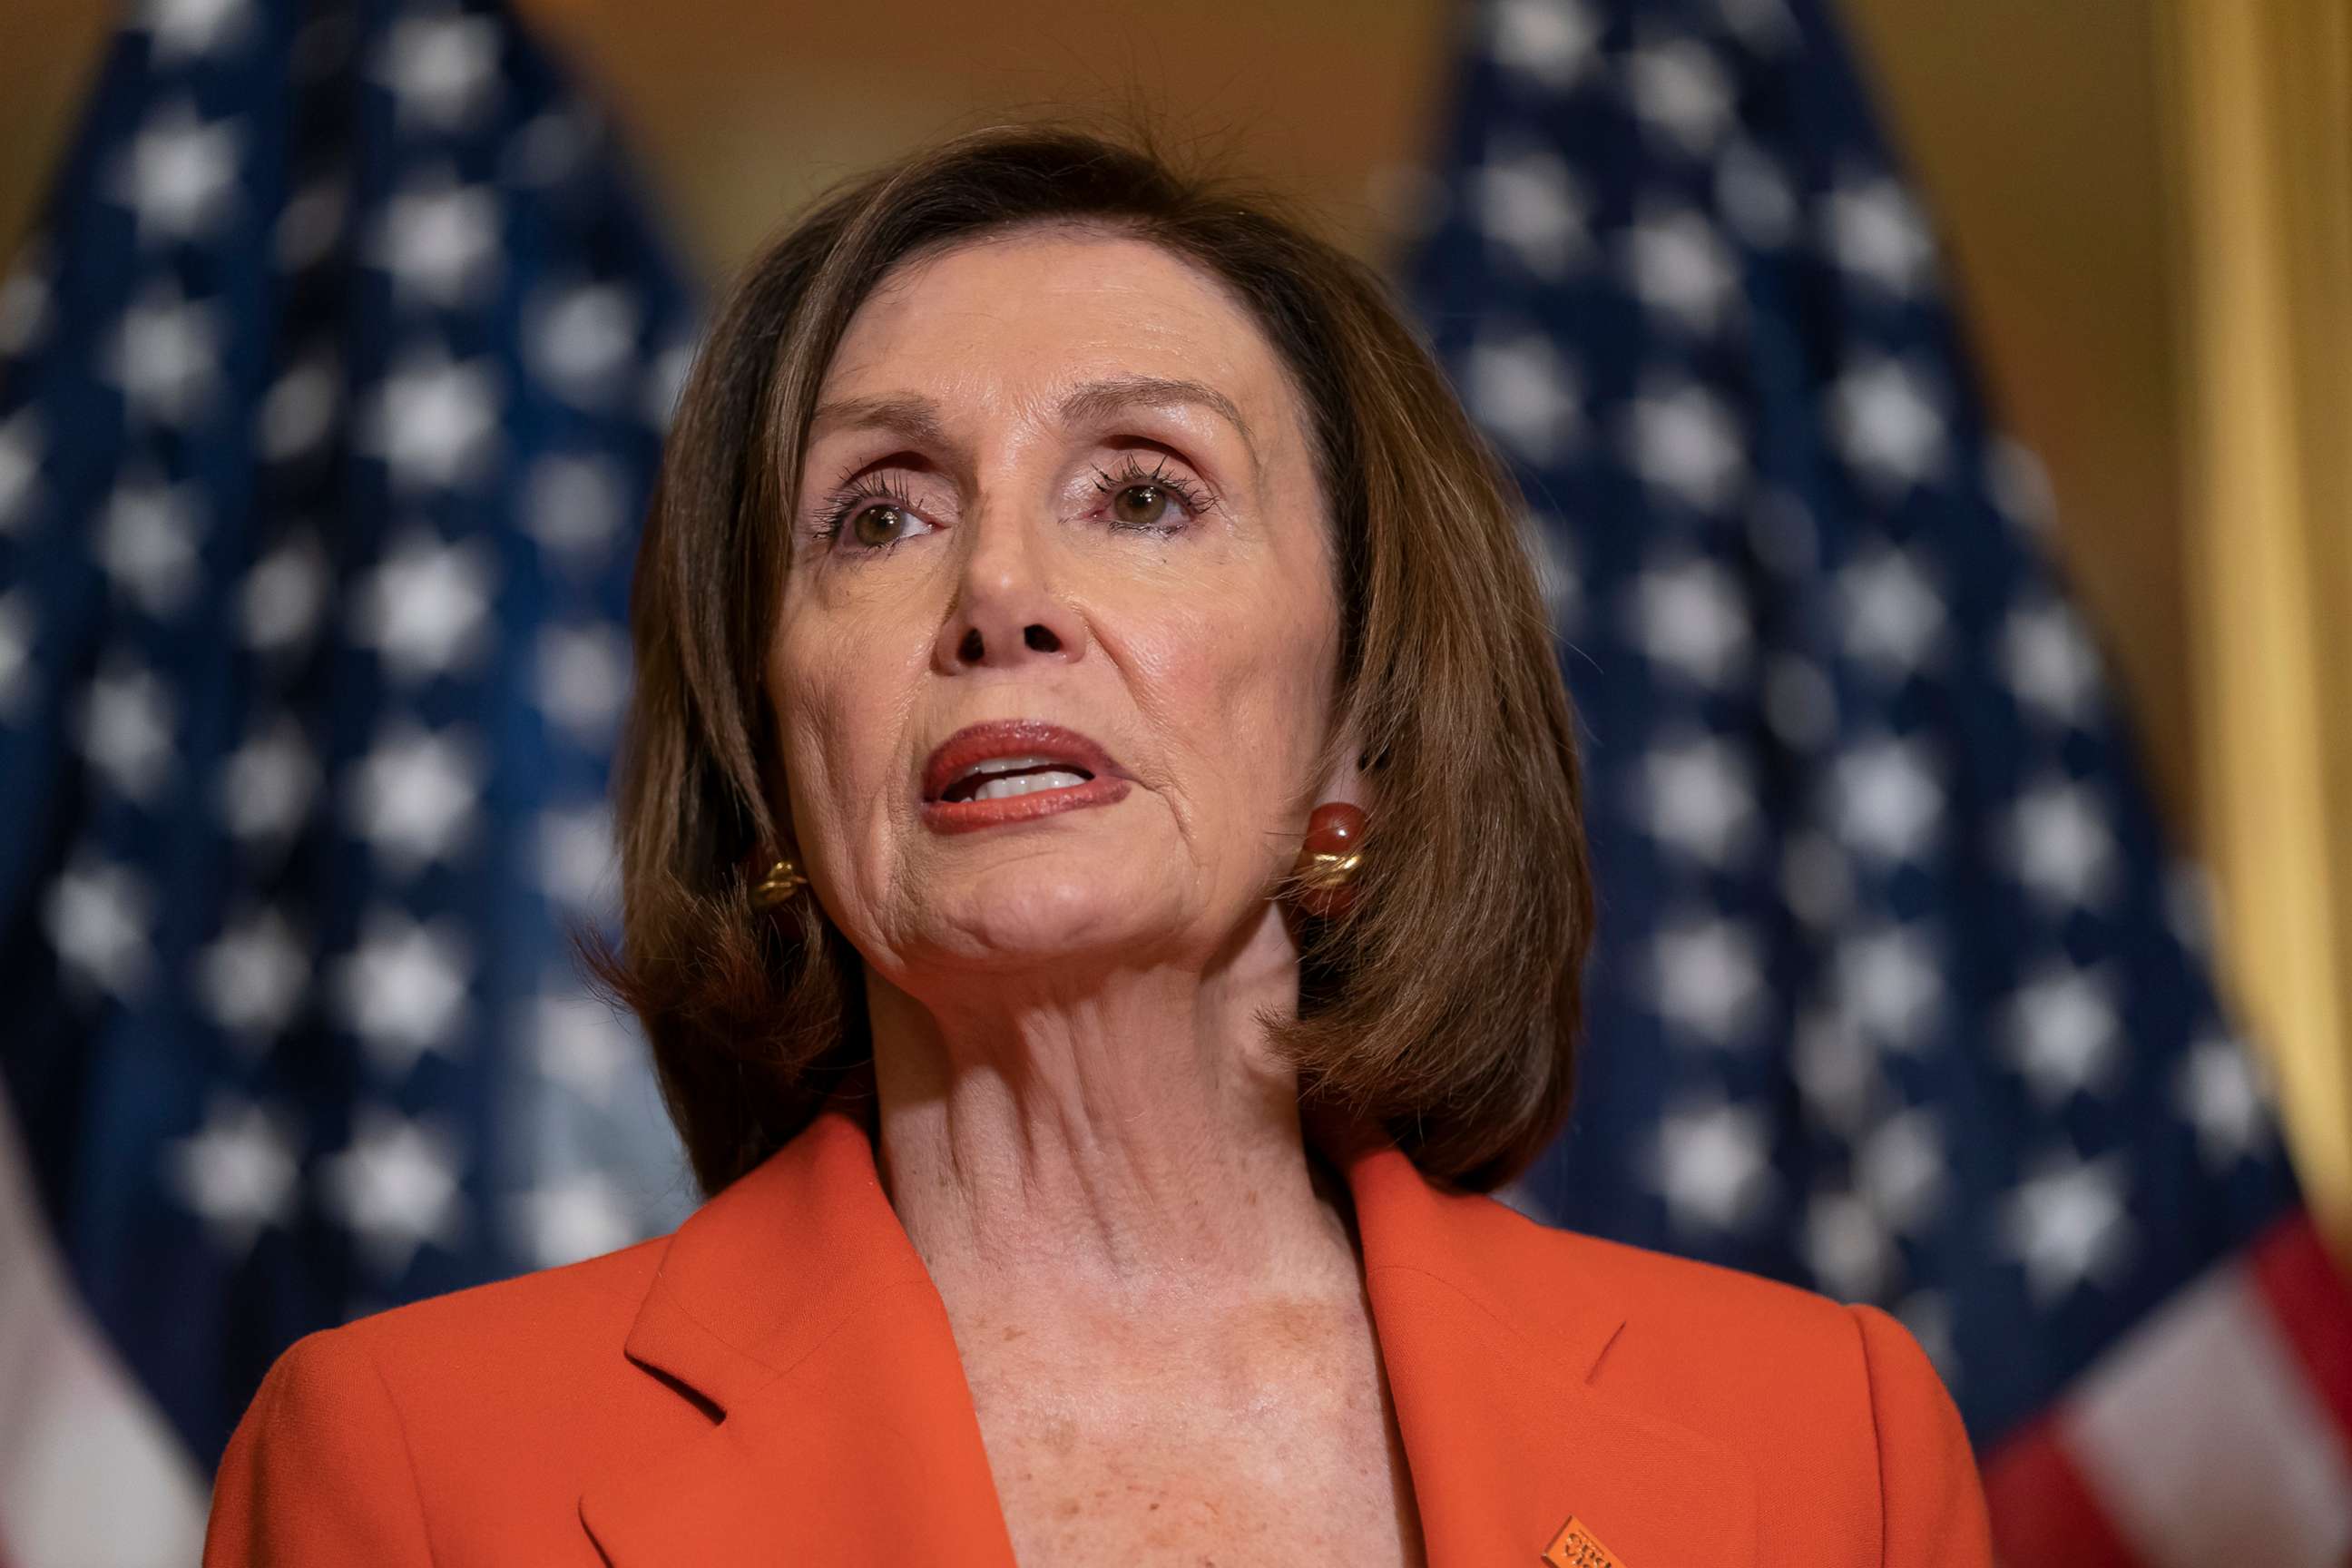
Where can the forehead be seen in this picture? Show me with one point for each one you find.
(1004, 322)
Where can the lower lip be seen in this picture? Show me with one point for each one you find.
(969, 816)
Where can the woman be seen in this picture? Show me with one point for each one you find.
(1103, 881)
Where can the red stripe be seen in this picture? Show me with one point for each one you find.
(2045, 1514)
(2311, 1301)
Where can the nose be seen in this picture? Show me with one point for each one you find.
(1006, 612)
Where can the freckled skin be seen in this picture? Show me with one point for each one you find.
(1158, 1302)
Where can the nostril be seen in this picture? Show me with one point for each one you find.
(1039, 640)
(969, 650)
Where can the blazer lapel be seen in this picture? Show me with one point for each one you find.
(794, 1309)
(1493, 1358)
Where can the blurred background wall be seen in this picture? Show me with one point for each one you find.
(2060, 151)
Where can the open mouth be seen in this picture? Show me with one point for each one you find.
(1002, 778)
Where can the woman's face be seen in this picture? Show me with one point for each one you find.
(1058, 477)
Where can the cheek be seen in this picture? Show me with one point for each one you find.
(837, 699)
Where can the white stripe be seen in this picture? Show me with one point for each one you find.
(90, 1474)
(2204, 1443)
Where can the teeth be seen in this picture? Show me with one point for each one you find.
(1004, 765)
(1003, 789)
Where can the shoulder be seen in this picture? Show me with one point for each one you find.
(1810, 1393)
(361, 1434)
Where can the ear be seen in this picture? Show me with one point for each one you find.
(1351, 777)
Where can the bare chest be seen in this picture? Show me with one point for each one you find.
(1279, 1452)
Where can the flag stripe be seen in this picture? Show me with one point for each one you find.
(89, 1471)
(2043, 1511)
(2205, 1442)
(2311, 1305)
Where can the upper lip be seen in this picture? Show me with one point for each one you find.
(1012, 737)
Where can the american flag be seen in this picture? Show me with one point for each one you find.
(1901, 994)
(329, 394)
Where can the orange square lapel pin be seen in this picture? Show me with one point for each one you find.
(1577, 1547)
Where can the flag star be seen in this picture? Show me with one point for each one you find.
(2065, 1035)
(166, 356)
(427, 608)
(254, 975)
(2020, 487)
(1680, 92)
(414, 797)
(284, 595)
(1816, 879)
(18, 626)
(1800, 703)
(1522, 390)
(1695, 796)
(1712, 1165)
(1893, 616)
(583, 677)
(580, 1042)
(147, 543)
(1683, 441)
(1902, 1170)
(402, 990)
(574, 506)
(2219, 1089)
(1678, 265)
(180, 175)
(2049, 661)
(1889, 982)
(577, 868)
(268, 784)
(438, 240)
(126, 721)
(1527, 203)
(397, 1188)
(441, 69)
(25, 300)
(1553, 554)
(1689, 616)
(2059, 845)
(312, 224)
(1875, 232)
(2066, 1223)
(1885, 799)
(434, 422)
(299, 412)
(551, 147)
(574, 1217)
(1709, 975)
(1764, 26)
(97, 918)
(2189, 906)
(238, 1172)
(1887, 417)
(665, 382)
(1928, 1315)
(583, 339)
(1556, 42)
(1835, 1068)
(1752, 192)
(1847, 1246)
(23, 438)
(183, 28)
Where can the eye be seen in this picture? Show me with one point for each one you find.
(1150, 500)
(877, 527)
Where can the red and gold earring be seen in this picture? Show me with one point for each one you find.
(1328, 858)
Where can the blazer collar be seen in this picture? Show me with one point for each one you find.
(795, 1309)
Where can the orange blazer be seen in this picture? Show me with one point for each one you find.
(776, 1382)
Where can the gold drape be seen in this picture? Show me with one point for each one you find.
(2262, 158)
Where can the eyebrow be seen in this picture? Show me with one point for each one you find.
(916, 418)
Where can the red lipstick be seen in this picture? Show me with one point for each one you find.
(1051, 744)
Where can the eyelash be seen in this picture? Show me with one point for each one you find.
(848, 500)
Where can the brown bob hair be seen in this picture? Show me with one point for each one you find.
(1442, 1006)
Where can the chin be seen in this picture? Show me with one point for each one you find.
(1027, 916)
